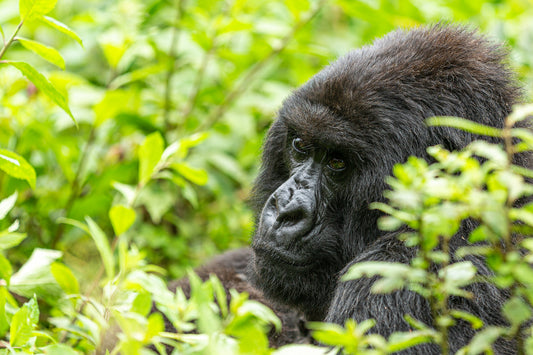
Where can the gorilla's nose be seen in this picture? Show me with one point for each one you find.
(295, 218)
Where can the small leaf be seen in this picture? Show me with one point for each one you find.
(59, 349)
(34, 277)
(196, 176)
(112, 104)
(42, 84)
(464, 125)
(127, 191)
(122, 217)
(5, 273)
(483, 340)
(31, 9)
(15, 165)
(149, 155)
(9, 239)
(7, 204)
(61, 27)
(516, 311)
(102, 244)
(65, 278)
(4, 325)
(45, 52)
(142, 304)
(23, 323)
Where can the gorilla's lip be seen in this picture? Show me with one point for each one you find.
(283, 256)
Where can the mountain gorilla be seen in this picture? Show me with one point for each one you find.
(327, 155)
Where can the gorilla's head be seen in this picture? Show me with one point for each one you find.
(338, 136)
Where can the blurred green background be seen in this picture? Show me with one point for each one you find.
(218, 68)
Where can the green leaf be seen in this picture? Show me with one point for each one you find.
(142, 304)
(196, 176)
(9, 239)
(43, 84)
(31, 9)
(483, 340)
(5, 272)
(23, 323)
(4, 325)
(74, 223)
(516, 311)
(34, 277)
(7, 204)
(60, 349)
(373, 268)
(300, 349)
(470, 318)
(465, 125)
(16, 166)
(61, 27)
(149, 155)
(65, 278)
(404, 340)
(112, 104)
(44, 51)
(122, 217)
(102, 244)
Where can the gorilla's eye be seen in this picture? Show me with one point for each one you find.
(336, 164)
(300, 146)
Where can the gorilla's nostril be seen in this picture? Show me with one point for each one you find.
(291, 216)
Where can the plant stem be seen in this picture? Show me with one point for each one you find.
(10, 41)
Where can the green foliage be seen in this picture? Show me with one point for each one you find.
(139, 148)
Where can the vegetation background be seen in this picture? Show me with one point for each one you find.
(139, 144)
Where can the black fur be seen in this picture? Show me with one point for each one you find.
(230, 268)
(368, 109)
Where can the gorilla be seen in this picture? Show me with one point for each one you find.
(326, 157)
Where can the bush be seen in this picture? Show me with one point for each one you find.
(139, 149)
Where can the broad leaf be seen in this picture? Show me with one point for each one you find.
(34, 277)
(23, 323)
(122, 217)
(46, 52)
(149, 155)
(7, 204)
(15, 165)
(61, 27)
(65, 278)
(32, 9)
(102, 244)
(43, 84)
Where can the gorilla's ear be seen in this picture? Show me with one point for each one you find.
(274, 170)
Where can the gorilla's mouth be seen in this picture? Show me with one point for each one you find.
(273, 256)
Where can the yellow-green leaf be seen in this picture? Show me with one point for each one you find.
(32, 9)
(44, 51)
(23, 323)
(196, 176)
(61, 27)
(149, 155)
(43, 84)
(16, 166)
(122, 217)
(102, 244)
(65, 278)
